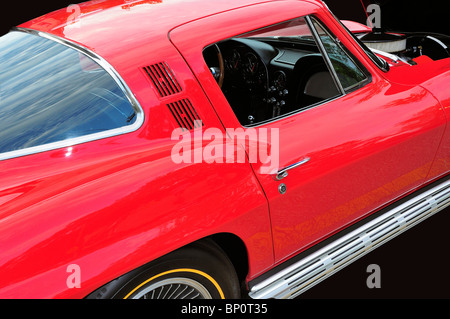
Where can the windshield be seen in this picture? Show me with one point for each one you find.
(51, 93)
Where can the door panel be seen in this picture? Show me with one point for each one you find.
(366, 149)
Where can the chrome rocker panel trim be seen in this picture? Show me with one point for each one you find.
(309, 271)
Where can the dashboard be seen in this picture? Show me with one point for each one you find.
(264, 77)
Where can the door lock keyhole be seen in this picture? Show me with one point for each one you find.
(282, 189)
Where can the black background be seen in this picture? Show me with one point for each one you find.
(398, 15)
(415, 264)
(13, 13)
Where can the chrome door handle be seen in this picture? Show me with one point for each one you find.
(284, 172)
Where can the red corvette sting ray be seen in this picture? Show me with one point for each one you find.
(211, 149)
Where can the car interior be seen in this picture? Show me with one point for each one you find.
(273, 72)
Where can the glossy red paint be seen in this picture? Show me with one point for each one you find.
(410, 119)
(112, 205)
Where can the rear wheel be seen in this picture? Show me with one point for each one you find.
(199, 271)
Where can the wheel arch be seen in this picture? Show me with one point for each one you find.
(230, 245)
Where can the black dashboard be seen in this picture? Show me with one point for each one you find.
(263, 76)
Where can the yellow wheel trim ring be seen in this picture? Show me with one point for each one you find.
(198, 272)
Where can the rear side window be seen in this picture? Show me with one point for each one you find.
(52, 93)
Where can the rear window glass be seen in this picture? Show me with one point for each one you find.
(51, 93)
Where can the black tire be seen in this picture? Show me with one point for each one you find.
(201, 270)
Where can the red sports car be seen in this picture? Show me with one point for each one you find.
(211, 149)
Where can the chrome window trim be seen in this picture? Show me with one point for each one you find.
(361, 67)
(140, 117)
(295, 112)
(325, 55)
(385, 68)
(342, 92)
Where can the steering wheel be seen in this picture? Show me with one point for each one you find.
(221, 76)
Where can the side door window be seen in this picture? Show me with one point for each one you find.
(283, 69)
(272, 72)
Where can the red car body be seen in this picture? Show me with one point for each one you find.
(115, 204)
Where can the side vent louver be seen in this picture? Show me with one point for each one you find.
(185, 114)
(163, 79)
